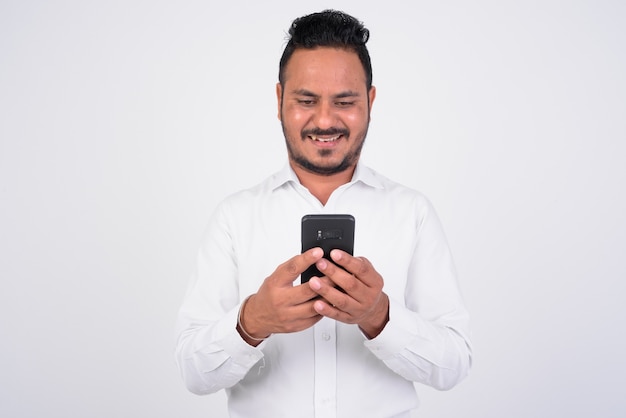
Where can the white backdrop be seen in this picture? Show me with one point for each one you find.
(123, 123)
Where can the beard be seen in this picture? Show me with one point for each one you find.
(349, 160)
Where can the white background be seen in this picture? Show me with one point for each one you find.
(123, 123)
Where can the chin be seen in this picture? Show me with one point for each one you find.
(325, 170)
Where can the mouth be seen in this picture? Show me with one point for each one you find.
(325, 138)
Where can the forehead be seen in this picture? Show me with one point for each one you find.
(324, 68)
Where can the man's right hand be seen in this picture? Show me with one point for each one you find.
(279, 306)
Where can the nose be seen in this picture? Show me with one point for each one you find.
(324, 116)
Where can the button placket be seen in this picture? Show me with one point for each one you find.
(325, 368)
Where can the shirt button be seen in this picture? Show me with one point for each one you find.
(326, 336)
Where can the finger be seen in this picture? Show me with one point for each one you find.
(334, 297)
(288, 271)
(299, 324)
(310, 289)
(303, 293)
(340, 277)
(306, 309)
(358, 266)
(295, 318)
(324, 308)
(300, 313)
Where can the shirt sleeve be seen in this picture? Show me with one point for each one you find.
(210, 353)
(427, 337)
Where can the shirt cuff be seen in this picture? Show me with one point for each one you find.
(234, 345)
(396, 335)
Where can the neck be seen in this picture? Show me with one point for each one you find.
(322, 186)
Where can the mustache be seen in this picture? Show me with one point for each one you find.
(328, 132)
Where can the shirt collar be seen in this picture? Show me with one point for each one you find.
(362, 174)
(367, 176)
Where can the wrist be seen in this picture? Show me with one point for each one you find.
(376, 322)
(249, 335)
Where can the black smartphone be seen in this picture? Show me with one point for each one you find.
(328, 232)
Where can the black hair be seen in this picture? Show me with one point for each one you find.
(329, 28)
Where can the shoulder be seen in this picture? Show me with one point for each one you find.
(244, 201)
(392, 189)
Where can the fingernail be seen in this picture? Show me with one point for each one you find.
(314, 283)
(318, 252)
(322, 264)
(336, 255)
(318, 306)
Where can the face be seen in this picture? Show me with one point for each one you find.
(324, 108)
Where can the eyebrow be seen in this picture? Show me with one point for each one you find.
(342, 95)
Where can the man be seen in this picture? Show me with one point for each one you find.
(285, 349)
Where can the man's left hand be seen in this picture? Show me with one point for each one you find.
(362, 300)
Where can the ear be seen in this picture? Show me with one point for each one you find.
(279, 98)
(371, 95)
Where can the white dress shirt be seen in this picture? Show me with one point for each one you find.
(330, 369)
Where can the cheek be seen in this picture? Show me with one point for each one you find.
(294, 118)
(357, 119)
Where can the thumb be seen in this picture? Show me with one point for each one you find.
(287, 272)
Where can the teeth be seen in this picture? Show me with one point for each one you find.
(331, 139)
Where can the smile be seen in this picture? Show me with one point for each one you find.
(324, 139)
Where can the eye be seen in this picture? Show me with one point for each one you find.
(344, 104)
(306, 102)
